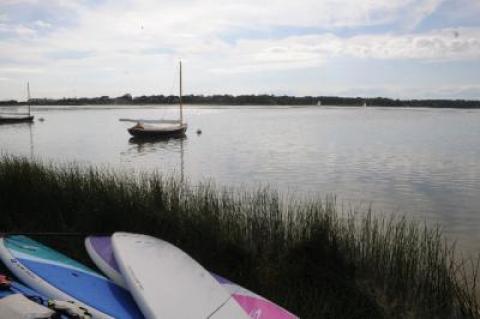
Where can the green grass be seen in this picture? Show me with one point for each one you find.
(306, 255)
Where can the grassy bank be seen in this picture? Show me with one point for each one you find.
(306, 255)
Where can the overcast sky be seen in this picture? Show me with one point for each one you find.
(393, 48)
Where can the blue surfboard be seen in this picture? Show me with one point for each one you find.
(14, 287)
(61, 278)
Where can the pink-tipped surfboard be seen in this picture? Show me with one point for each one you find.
(167, 283)
(101, 252)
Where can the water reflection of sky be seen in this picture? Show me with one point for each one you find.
(419, 162)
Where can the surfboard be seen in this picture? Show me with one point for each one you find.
(256, 306)
(167, 283)
(100, 251)
(59, 277)
(10, 287)
(14, 287)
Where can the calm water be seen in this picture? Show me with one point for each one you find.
(420, 162)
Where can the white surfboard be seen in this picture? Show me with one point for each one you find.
(99, 249)
(167, 283)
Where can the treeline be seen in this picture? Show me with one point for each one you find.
(252, 100)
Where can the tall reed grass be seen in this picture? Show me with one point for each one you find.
(305, 254)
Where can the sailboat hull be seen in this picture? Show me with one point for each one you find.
(140, 132)
(16, 119)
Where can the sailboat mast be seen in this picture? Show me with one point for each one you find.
(28, 96)
(180, 100)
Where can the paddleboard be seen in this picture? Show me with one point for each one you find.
(10, 287)
(167, 283)
(99, 249)
(256, 306)
(13, 287)
(58, 277)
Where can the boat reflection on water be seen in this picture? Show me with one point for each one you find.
(15, 119)
(156, 144)
(160, 146)
(151, 140)
(23, 137)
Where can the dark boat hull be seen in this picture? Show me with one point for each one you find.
(23, 119)
(139, 132)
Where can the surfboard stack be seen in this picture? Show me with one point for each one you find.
(146, 277)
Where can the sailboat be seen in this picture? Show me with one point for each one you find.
(18, 117)
(161, 128)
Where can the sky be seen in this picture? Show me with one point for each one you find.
(367, 48)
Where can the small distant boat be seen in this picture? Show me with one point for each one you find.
(13, 118)
(319, 103)
(365, 104)
(161, 128)
(18, 117)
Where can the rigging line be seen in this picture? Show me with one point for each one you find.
(173, 83)
(28, 97)
(31, 142)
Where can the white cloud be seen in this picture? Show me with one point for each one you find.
(214, 15)
(420, 11)
(20, 70)
(313, 50)
(446, 44)
(136, 43)
(18, 30)
(195, 27)
(42, 24)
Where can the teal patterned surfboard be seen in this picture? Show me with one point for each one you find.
(62, 278)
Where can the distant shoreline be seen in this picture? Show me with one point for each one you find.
(252, 100)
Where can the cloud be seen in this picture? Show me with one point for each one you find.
(313, 50)
(194, 27)
(214, 15)
(68, 54)
(445, 44)
(134, 43)
(419, 12)
(16, 30)
(20, 70)
(42, 24)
